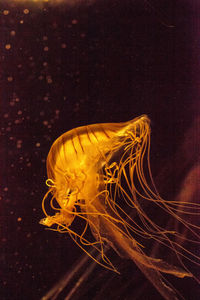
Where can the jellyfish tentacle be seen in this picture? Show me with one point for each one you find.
(101, 175)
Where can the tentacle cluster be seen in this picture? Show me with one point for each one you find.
(121, 186)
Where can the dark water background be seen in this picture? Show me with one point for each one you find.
(64, 66)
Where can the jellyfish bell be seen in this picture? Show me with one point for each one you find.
(76, 156)
(96, 174)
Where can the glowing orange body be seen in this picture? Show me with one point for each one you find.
(86, 167)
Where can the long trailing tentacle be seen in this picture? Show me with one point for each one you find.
(123, 188)
(135, 163)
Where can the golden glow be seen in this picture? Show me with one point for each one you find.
(97, 173)
(26, 11)
(10, 78)
(70, 2)
(12, 33)
(29, 5)
(6, 12)
(7, 46)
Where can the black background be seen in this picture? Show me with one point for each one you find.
(71, 65)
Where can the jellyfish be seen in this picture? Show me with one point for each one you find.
(100, 182)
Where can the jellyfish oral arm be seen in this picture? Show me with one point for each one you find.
(101, 174)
